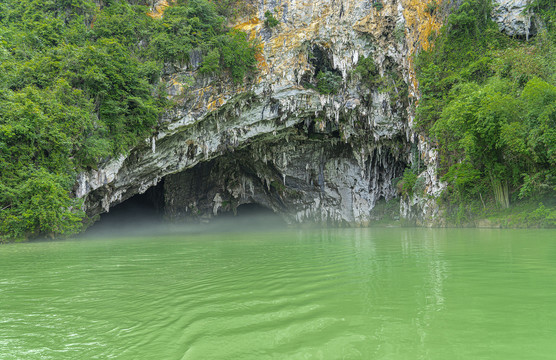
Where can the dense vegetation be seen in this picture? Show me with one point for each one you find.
(80, 82)
(489, 101)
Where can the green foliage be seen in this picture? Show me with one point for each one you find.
(458, 56)
(542, 216)
(431, 7)
(40, 205)
(231, 9)
(211, 62)
(463, 177)
(237, 54)
(528, 214)
(508, 138)
(197, 26)
(407, 183)
(270, 21)
(127, 24)
(184, 28)
(471, 19)
(537, 185)
(394, 84)
(377, 4)
(78, 84)
(399, 32)
(489, 102)
(368, 72)
(547, 11)
(328, 82)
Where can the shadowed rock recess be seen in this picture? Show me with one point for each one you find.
(324, 157)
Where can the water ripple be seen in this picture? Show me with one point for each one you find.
(325, 294)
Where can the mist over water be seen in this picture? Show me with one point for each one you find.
(282, 294)
(138, 216)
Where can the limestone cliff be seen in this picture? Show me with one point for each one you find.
(277, 141)
(513, 18)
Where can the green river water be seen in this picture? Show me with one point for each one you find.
(291, 294)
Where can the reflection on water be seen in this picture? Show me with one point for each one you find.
(282, 294)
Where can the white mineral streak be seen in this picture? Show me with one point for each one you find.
(217, 203)
(97, 178)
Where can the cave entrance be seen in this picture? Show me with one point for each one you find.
(254, 209)
(139, 212)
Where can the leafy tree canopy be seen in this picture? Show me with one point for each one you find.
(489, 102)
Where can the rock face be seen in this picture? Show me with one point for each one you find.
(316, 179)
(277, 141)
(513, 18)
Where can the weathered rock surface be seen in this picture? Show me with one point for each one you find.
(513, 18)
(276, 141)
(316, 179)
(369, 126)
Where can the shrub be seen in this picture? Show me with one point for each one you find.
(328, 82)
(407, 183)
(378, 5)
(431, 7)
(368, 72)
(237, 54)
(41, 205)
(270, 20)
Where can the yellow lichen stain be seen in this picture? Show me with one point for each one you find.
(211, 106)
(215, 104)
(250, 27)
(285, 39)
(422, 29)
(293, 38)
(262, 65)
(423, 24)
(159, 8)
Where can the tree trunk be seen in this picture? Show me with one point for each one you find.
(501, 193)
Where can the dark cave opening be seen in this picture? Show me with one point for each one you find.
(254, 209)
(137, 212)
(320, 59)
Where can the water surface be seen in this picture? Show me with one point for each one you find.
(292, 294)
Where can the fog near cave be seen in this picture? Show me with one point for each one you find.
(141, 215)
